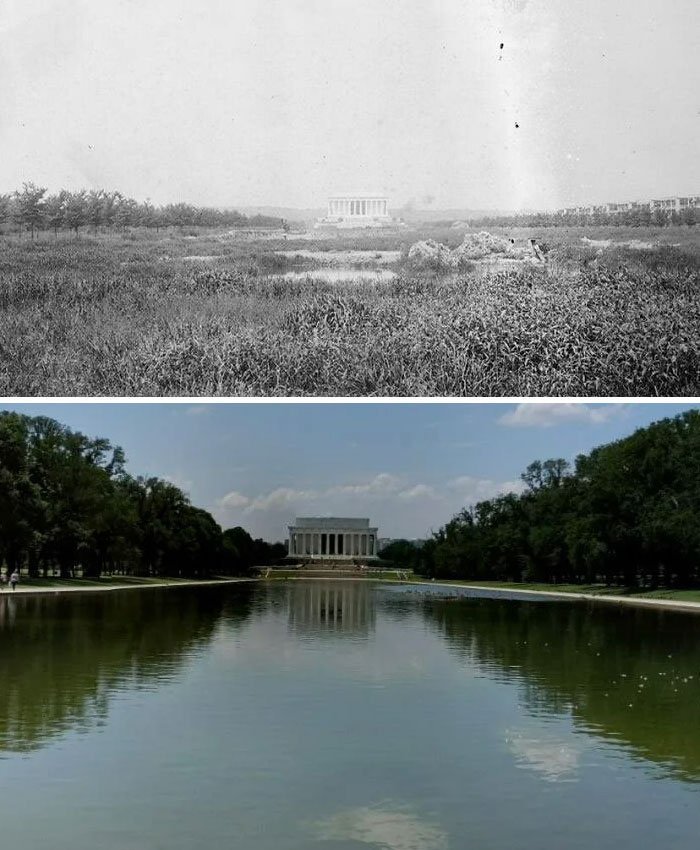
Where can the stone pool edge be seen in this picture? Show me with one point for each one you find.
(31, 591)
(675, 604)
(672, 604)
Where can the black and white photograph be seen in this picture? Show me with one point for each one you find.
(349, 198)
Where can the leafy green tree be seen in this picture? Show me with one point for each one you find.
(68, 504)
(626, 515)
(28, 206)
(402, 553)
(125, 213)
(94, 207)
(5, 208)
(54, 210)
(660, 217)
(75, 213)
(689, 216)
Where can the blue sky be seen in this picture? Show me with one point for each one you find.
(409, 467)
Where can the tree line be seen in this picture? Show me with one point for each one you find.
(626, 514)
(32, 210)
(68, 506)
(637, 217)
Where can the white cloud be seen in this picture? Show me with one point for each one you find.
(391, 827)
(553, 759)
(381, 483)
(418, 491)
(185, 484)
(234, 499)
(547, 414)
(399, 506)
(282, 497)
(471, 489)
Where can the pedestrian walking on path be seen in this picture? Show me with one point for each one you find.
(14, 578)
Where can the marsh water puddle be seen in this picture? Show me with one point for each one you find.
(334, 275)
(635, 244)
(345, 714)
(345, 257)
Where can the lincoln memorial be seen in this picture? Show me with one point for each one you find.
(356, 211)
(332, 538)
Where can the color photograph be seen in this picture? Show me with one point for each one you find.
(350, 626)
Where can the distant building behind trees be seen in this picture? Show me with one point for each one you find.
(676, 209)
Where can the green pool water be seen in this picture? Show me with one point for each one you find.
(345, 715)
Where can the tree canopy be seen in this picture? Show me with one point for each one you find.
(68, 504)
(628, 513)
(32, 209)
(640, 216)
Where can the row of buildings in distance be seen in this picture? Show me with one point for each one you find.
(675, 203)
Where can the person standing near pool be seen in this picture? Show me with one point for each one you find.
(14, 578)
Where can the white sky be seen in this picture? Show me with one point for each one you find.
(283, 102)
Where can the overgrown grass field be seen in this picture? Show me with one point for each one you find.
(211, 314)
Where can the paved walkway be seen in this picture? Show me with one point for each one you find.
(589, 597)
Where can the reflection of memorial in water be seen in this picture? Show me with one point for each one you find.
(343, 608)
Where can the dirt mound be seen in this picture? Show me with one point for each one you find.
(476, 246)
(433, 255)
(430, 254)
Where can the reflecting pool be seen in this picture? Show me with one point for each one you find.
(345, 715)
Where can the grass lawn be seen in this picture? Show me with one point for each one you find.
(587, 589)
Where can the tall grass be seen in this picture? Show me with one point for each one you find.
(115, 317)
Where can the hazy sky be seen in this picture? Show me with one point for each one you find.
(246, 102)
(409, 467)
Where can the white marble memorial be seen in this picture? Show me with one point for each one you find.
(346, 211)
(332, 539)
